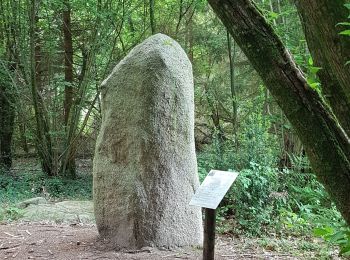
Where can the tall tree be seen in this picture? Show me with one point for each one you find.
(8, 66)
(319, 126)
(151, 16)
(68, 60)
(330, 51)
(68, 166)
(9, 63)
(7, 116)
(231, 56)
(43, 137)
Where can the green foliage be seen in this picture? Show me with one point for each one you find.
(308, 202)
(251, 198)
(264, 198)
(347, 31)
(10, 213)
(339, 236)
(27, 185)
(254, 155)
(312, 79)
(252, 145)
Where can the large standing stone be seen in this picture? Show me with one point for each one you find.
(145, 164)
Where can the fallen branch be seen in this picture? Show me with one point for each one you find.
(138, 251)
(14, 236)
(9, 247)
(26, 232)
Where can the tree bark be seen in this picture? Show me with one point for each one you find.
(326, 143)
(330, 51)
(7, 91)
(7, 117)
(231, 57)
(68, 164)
(151, 16)
(43, 138)
(68, 61)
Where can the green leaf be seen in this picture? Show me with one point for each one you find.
(344, 23)
(345, 32)
(313, 84)
(336, 237)
(314, 70)
(320, 232)
(310, 61)
(347, 6)
(345, 251)
(273, 15)
(347, 63)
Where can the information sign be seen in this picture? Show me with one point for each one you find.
(213, 189)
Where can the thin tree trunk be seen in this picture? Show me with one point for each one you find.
(68, 165)
(7, 116)
(73, 132)
(7, 90)
(68, 61)
(232, 80)
(43, 138)
(215, 116)
(22, 132)
(151, 16)
(190, 39)
(180, 17)
(326, 143)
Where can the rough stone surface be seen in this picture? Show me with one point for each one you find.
(61, 212)
(31, 201)
(144, 168)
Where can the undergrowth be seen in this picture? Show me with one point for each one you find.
(25, 185)
(265, 199)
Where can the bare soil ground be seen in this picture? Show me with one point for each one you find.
(81, 241)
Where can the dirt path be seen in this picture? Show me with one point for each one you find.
(80, 241)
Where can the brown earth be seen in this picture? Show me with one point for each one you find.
(42, 240)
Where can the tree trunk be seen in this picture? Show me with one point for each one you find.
(43, 138)
(22, 133)
(68, 61)
(8, 95)
(68, 164)
(231, 57)
(190, 39)
(7, 116)
(326, 143)
(151, 16)
(330, 51)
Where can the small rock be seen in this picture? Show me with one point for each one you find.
(32, 201)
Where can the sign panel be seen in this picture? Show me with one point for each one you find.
(213, 189)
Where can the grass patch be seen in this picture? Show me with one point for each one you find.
(26, 185)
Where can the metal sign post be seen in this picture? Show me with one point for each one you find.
(208, 196)
(209, 234)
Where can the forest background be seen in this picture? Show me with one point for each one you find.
(54, 55)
